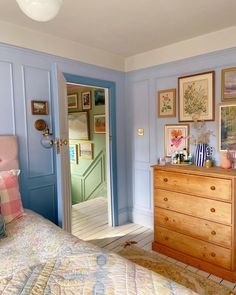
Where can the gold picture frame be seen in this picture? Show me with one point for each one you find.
(196, 97)
(72, 100)
(39, 107)
(100, 123)
(226, 127)
(228, 84)
(166, 103)
(86, 100)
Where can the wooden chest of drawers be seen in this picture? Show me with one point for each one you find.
(194, 217)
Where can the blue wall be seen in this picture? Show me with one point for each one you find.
(141, 112)
(26, 75)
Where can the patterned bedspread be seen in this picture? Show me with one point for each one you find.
(38, 258)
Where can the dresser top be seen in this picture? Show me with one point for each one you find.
(192, 169)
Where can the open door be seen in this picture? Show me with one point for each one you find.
(61, 149)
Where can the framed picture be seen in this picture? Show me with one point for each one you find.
(228, 86)
(227, 127)
(78, 126)
(73, 150)
(99, 124)
(72, 101)
(167, 103)
(176, 138)
(197, 97)
(99, 97)
(86, 150)
(86, 100)
(39, 107)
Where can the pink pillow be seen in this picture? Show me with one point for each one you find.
(10, 200)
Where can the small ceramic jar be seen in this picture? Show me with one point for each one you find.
(226, 160)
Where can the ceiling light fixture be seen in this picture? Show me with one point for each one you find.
(40, 10)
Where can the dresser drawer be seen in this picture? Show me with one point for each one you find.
(199, 207)
(195, 227)
(198, 185)
(193, 247)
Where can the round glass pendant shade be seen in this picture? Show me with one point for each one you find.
(40, 10)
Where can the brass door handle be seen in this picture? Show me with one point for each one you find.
(65, 142)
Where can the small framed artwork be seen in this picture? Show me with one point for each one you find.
(99, 97)
(99, 124)
(72, 101)
(197, 97)
(39, 107)
(86, 150)
(78, 126)
(167, 103)
(228, 86)
(227, 127)
(176, 138)
(73, 150)
(86, 100)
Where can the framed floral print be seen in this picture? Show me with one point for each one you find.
(197, 97)
(228, 86)
(176, 138)
(166, 103)
(227, 127)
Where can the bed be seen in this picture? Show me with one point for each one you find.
(37, 257)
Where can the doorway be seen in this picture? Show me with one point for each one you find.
(109, 177)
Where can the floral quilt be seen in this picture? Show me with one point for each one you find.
(38, 258)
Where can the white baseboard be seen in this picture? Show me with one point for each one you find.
(123, 216)
(142, 217)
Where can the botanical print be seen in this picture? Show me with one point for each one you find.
(196, 97)
(227, 127)
(166, 103)
(176, 138)
(99, 124)
(229, 84)
(78, 125)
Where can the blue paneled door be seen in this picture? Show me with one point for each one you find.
(61, 149)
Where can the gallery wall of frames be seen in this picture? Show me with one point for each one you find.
(177, 106)
(87, 130)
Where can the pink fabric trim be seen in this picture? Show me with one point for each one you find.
(8, 153)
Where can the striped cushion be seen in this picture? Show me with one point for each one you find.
(10, 201)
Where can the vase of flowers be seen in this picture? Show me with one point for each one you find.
(201, 139)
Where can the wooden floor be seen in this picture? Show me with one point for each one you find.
(89, 223)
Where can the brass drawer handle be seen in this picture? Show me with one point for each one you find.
(166, 238)
(166, 218)
(165, 199)
(213, 210)
(213, 254)
(213, 187)
(165, 179)
(213, 233)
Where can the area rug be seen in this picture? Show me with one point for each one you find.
(152, 261)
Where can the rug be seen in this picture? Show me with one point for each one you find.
(152, 261)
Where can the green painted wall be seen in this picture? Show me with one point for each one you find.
(88, 177)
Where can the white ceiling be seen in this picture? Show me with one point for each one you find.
(128, 27)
